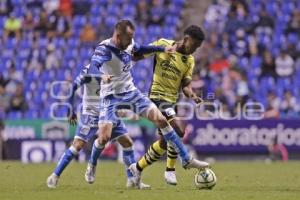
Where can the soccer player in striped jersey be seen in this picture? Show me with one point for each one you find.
(172, 72)
(113, 58)
(88, 126)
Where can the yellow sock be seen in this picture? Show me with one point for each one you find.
(153, 154)
(171, 158)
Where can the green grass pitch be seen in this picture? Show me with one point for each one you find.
(236, 180)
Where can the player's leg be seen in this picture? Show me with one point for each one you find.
(173, 139)
(170, 173)
(104, 135)
(64, 161)
(153, 154)
(120, 134)
(148, 110)
(84, 132)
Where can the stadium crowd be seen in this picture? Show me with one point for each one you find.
(251, 53)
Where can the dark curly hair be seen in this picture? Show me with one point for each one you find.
(195, 32)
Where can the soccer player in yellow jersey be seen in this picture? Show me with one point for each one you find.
(172, 72)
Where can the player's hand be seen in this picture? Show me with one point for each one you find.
(106, 78)
(171, 49)
(73, 119)
(197, 100)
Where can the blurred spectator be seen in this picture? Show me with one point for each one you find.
(242, 89)
(88, 34)
(60, 24)
(294, 23)
(31, 4)
(156, 12)
(268, 65)
(272, 110)
(43, 26)
(219, 63)
(3, 81)
(265, 23)
(13, 78)
(18, 101)
(12, 27)
(52, 60)
(14, 74)
(225, 44)
(66, 7)
(4, 100)
(240, 47)
(233, 23)
(253, 46)
(277, 151)
(6, 7)
(28, 23)
(284, 64)
(215, 16)
(293, 51)
(142, 14)
(51, 5)
(289, 107)
(81, 7)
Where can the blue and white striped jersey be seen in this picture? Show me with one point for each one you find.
(91, 90)
(113, 61)
(110, 60)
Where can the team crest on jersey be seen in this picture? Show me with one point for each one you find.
(84, 130)
(126, 58)
(184, 59)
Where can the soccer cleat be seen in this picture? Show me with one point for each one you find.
(194, 163)
(170, 177)
(136, 174)
(90, 173)
(52, 181)
(131, 184)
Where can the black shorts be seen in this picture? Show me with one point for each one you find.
(169, 110)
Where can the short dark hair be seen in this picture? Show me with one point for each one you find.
(195, 32)
(121, 26)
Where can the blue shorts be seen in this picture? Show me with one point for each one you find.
(132, 100)
(88, 125)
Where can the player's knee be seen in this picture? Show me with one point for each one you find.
(78, 144)
(126, 142)
(162, 143)
(161, 122)
(104, 139)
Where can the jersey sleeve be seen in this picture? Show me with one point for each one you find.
(78, 82)
(147, 49)
(157, 43)
(189, 72)
(101, 55)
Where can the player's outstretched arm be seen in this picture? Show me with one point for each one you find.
(77, 83)
(140, 51)
(188, 91)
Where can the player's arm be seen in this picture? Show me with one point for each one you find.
(77, 83)
(187, 83)
(188, 91)
(142, 51)
(101, 55)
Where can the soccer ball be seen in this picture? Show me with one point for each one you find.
(205, 179)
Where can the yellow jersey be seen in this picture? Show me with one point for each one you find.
(169, 71)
